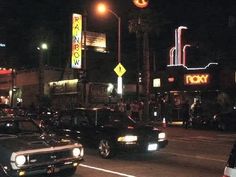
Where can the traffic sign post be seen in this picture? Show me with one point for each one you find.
(119, 70)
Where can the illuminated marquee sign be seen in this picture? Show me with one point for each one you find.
(141, 3)
(196, 79)
(157, 82)
(76, 58)
(4, 71)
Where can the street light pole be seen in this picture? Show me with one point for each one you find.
(119, 34)
(41, 49)
(102, 8)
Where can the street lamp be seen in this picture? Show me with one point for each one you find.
(102, 8)
(180, 28)
(43, 47)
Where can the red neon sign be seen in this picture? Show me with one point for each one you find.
(196, 79)
(171, 79)
(5, 71)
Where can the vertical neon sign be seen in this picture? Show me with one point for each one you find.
(76, 58)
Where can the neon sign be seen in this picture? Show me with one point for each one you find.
(141, 3)
(76, 58)
(196, 79)
(171, 79)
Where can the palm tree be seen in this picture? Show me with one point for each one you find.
(142, 22)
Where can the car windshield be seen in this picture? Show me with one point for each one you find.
(106, 117)
(18, 127)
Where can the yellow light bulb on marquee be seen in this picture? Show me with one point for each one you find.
(141, 3)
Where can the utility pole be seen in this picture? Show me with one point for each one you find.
(85, 60)
(41, 77)
(146, 82)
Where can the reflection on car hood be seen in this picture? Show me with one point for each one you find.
(17, 143)
(141, 128)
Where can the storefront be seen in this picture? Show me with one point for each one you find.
(211, 85)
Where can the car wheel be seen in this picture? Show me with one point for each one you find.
(105, 149)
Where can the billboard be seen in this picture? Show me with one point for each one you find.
(94, 39)
(76, 57)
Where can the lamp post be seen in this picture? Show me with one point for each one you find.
(102, 8)
(43, 47)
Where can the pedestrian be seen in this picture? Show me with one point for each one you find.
(121, 106)
(135, 110)
(186, 116)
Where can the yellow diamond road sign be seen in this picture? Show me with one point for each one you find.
(119, 70)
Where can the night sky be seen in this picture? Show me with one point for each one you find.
(211, 23)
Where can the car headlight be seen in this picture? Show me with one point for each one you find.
(127, 138)
(20, 160)
(76, 152)
(162, 135)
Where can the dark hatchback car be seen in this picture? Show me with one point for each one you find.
(225, 121)
(110, 131)
(26, 150)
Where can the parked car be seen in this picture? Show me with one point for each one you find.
(110, 131)
(225, 121)
(26, 150)
(230, 169)
(201, 121)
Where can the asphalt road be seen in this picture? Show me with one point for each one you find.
(190, 153)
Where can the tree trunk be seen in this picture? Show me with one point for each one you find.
(146, 82)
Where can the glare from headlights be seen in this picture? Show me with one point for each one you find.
(76, 152)
(127, 138)
(162, 135)
(20, 160)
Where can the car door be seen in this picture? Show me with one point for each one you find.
(65, 124)
(232, 117)
(84, 122)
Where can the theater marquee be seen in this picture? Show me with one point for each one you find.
(196, 79)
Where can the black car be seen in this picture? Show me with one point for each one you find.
(110, 131)
(26, 150)
(225, 121)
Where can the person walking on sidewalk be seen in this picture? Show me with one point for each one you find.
(186, 116)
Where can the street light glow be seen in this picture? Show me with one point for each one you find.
(44, 46)
(101, 8)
